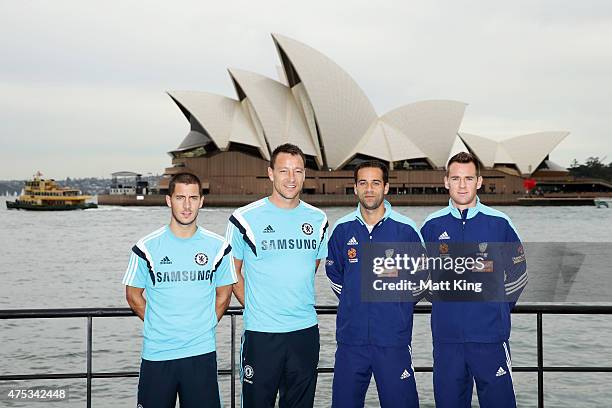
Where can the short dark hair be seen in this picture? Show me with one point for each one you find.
(287, 148)
(463, 157)
(184, 178)
(373, 164)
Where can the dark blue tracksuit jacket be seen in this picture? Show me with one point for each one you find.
(386, 324)
(479, 322)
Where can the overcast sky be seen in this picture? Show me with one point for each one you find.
(82, 83)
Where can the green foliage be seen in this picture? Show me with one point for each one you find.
(592, 168)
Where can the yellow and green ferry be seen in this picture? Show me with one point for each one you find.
(46, 195)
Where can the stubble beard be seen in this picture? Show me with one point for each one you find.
(372, 207)
(465, 200)
(279, 191)
(184, 224)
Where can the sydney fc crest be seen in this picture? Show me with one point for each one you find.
(482, 247)
(201, 259)
(307, 228)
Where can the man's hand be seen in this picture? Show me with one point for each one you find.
(136, 300)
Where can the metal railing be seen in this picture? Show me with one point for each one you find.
(232, 312)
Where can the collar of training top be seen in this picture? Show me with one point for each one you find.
(358, 216)
(471, 212)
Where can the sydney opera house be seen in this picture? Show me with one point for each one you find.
(316, 105)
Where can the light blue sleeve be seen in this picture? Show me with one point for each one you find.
(235, 238)
(323, 241)
(224, 271)
(136, 272)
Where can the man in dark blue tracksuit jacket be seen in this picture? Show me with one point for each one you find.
(373, 336)
(471, 338)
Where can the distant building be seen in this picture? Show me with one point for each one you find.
(320, 108)
(128, 183)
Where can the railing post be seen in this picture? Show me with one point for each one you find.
(233, 361)
(89, 358)
(90, 313)
(540, 361)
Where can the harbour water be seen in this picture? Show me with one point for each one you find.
(77, 259)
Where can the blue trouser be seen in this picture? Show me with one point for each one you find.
(456, 367)
(194, 379)
(392, 369)
(279, 363)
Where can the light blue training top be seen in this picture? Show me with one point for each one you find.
(278, 248)
(180, 277)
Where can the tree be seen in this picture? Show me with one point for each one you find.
(592, 168)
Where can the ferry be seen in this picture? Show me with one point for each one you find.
(46, 195)
(603, 202)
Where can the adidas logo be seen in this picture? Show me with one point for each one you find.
(268, 229)
(500, 372)
(352, 241)
(405, 375)
(444, 235)
(165, 261)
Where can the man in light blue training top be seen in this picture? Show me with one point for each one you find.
(470, 338)
(187, 274)
(374, 335)
(277, 244)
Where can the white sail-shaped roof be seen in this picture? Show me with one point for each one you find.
(430, 125)
(485, 149)
(320, 108)
(277, 111)
(192, 140)
(223, 119)
(400, 145)
(554, 166)
(530, 150)
(385, 142)
(525, 151)
(374, 143)
(458, 146)
(503, 156)
(343, 112)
